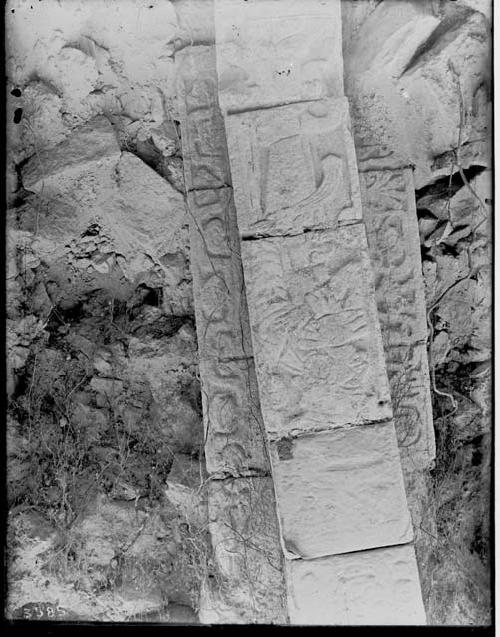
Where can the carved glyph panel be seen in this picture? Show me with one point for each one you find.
(340, 491)
(220, 301)
(206, 163)
(245, 539)
(408, 372)
(315, 331)
(294, 168)
(234, 431)
(393, 240)
(271, 52)
(377, 587)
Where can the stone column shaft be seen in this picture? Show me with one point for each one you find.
(241, 503)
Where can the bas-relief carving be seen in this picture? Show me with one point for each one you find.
(340, 491)
(244, 527)
(393, 239)
(376, 587)
(294, 168)
(316, 337)
(234, 430)
(271, 53)
(220, 301)
(206, 162)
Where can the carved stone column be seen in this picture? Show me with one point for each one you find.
(345, 528)
(249, 587)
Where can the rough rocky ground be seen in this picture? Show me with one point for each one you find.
(104, 434)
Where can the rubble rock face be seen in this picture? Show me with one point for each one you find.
(315, 333)
(102, 351)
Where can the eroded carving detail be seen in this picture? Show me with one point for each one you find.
(341, 491)
(294, 168)
(234, 431)
(271, 53)
(244, 528)
(220, 301)
(204, 140)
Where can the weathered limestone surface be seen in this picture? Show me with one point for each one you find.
(294, 168)
(271, 52)
(244, 528)
(317, 343)
(340, 491)
(378, 587)
(235, 435)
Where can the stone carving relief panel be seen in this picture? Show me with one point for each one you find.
(234, 430)
(316, 337)
(220, 301)
(294, 168)
(393, 240)
(203, 136)
(271, 52)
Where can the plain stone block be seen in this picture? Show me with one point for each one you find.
(245, 538)
(340, 491)
(219, 291)
(368, 588)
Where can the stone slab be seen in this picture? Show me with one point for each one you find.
(234, 431)
(219, 292)
(93, 142)
(315, 331)
(340, 491)
(245, 539)
(294, 168)
(206, 164)
(378, 588)
(271, 52)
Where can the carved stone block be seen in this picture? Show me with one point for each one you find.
(203, 135)
(271, 52)
(294, 168)
(315, 331)
(234, 431)
(220, 301)
(340, 491)
(378, 587)
(245, 539)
